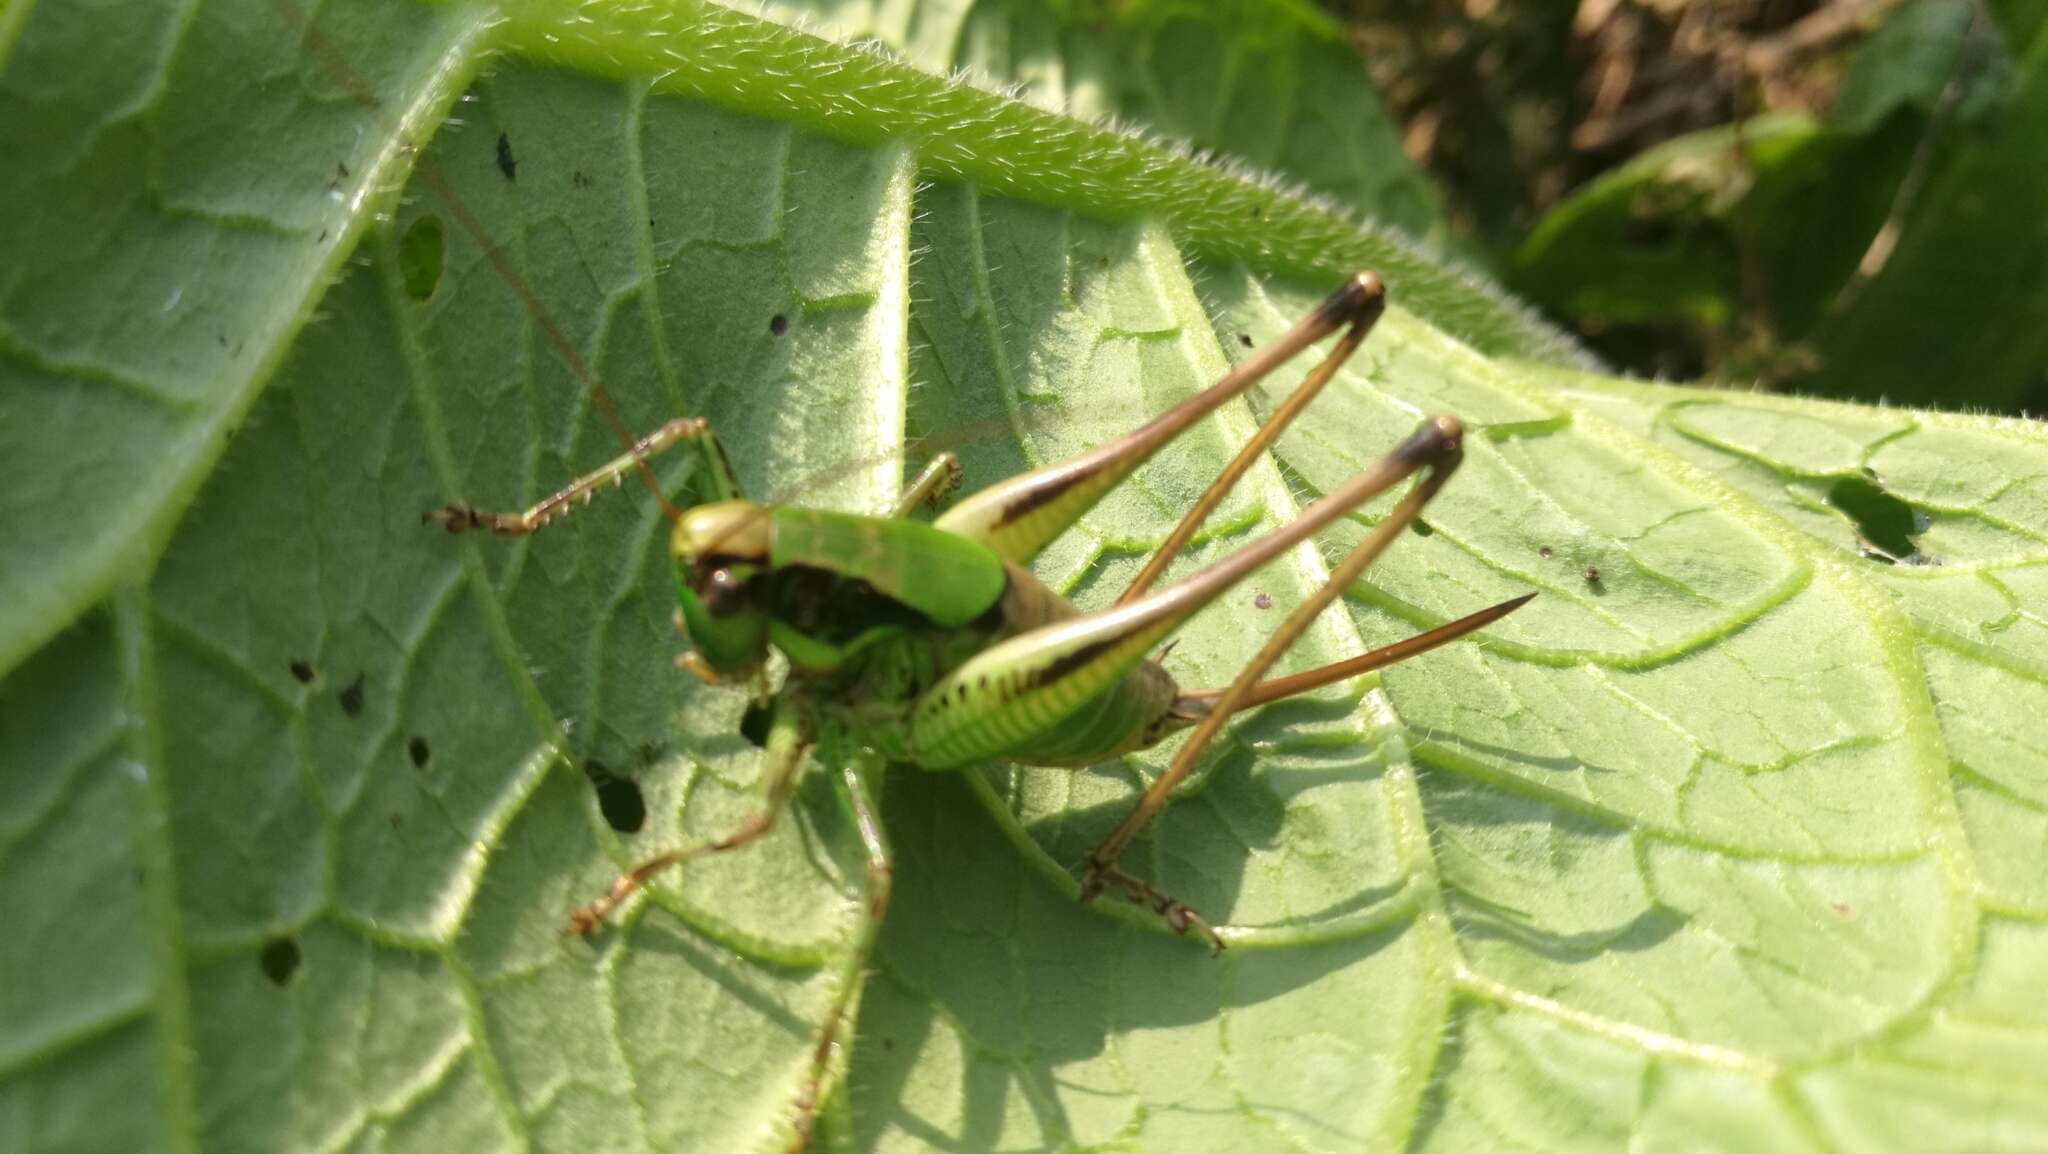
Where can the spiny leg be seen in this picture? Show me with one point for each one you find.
(1362, 321)
(1437, 450)
(880, 874)
(1018, 691)
(934, 481)
(1295, 684)
(1020, 516)
(458, 516)
(1183, 917)
(1179, 916)
(784, 750)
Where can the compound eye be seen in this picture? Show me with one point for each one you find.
(724, 592)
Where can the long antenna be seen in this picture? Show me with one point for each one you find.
(429, 172)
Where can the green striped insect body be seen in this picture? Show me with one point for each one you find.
(871, 613)
(931, 644)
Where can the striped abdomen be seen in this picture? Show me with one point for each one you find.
(1042, 698)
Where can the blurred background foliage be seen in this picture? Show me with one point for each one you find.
(1845, 198)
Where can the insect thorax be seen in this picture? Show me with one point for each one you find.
(858, 658)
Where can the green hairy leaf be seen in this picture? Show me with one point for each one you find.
(1733, 839)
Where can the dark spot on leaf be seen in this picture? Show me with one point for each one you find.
(618, 798)
(1885, 525)
(754, 722)
(419, 751)
(506, 164)
(620, 801)
(322, 238)
(1262, 601)
(279, 960)
(1421, 528)
(778, 324)
(303, 672)
(650, 752)
(421, 253)
(1544, 552)
(395, 819)
(1245, 339)
(580, 179)
(1592, 575)
(352, 697)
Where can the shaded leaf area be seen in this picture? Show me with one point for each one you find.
(1732, 837)
(1889, 250)
(1259, 81)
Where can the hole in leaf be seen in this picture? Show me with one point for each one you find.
(619, 799)
(421, 253)
(279, 960)
(778, 324)
(352, 697)
(754, 723)
(420, 752)
(303, 672)
(1885, 525)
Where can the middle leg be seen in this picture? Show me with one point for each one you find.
(784, 750)
(934, 481)
(880, 875)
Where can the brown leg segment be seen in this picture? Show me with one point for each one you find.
(458, 517)
(1020, 516)
(1370, 303)
(786, 747)
(1434, 450)
(1299, 683)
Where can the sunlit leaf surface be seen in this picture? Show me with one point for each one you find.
(1732, 840)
